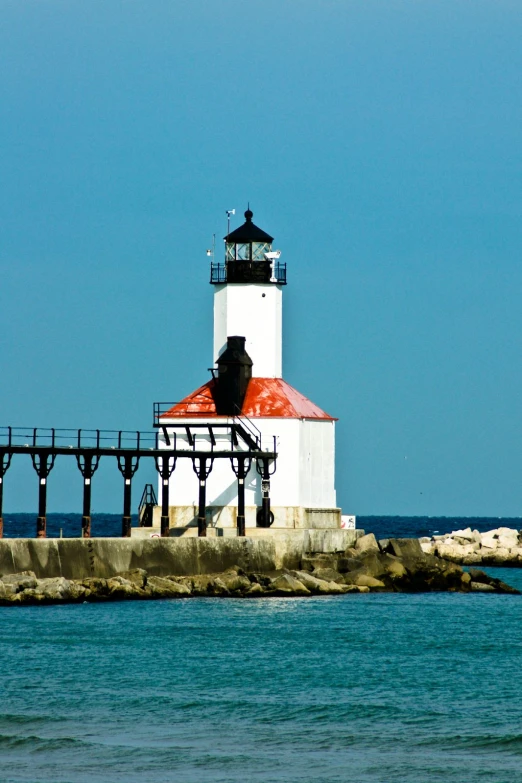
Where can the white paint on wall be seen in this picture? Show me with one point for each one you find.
(304, 477)
(254, 311)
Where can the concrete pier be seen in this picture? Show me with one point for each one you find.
(78, 558)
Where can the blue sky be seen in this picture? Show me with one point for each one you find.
(379, 142)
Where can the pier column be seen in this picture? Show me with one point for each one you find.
(1, 506)
(41, 522)
(5, 461)
(165, 467)
(43, 463)
(88, 464)
(127, 465)
(264, 516)
(202, 510)
(202, 468)
(241, 466)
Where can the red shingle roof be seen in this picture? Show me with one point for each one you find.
(265, 397)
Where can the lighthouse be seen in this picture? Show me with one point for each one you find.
(295, 487)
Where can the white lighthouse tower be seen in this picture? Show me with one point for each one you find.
(248, 386)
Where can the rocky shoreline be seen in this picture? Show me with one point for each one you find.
(499, 547)
(393, 565)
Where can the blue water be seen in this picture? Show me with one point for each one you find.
(24, 525)
(355, 689)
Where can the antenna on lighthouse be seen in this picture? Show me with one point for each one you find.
(212, 252)
(229, 212)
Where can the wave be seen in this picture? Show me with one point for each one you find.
(37, 744)
(511, 742)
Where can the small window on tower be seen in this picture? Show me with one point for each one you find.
(259, 249)
(243, 252)
(230, 251)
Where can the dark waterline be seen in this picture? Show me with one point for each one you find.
(24, 525)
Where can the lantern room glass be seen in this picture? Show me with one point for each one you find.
(248, 251)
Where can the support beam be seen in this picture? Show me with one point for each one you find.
(127, 465)
(43, 463)
(264, 515)
(202, 510)
(202, 468)
(241, 466)
(165, 466)
(41, 522)
(164, 507)
(241, 498)
(88, 464)
(5, 461)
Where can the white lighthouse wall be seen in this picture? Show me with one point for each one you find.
(317, 464)
(303, 480)
(254, 311)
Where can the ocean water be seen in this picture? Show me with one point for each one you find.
(70, 525)
(354, 689)
(375, 688)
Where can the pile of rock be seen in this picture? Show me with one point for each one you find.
(394, 565)
(25, 588)
(500, 547)
(401, 565)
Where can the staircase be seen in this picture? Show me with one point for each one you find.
(146, 507)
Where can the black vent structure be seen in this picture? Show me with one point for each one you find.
(234, 373)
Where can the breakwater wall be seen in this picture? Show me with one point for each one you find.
(80, 558)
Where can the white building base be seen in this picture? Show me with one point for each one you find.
(285, 540)
(289, 517)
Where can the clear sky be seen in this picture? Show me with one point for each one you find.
(379, 141)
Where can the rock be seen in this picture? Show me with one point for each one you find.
(55, 589)
(22, 581)
(508, 541)
(345, 564)
(286, 584)
(312, 562)
(457, 552)
(498, 556)
(466, 581)
(425, 540)
(428, 547)
(384, 543)
(362, 589)
(362, 580)
(255, 590)
(120, 588)
(367, 543)
(489, 540)
(96, 586)
(405, 547)
(394, 568)
(201, 584)
(504, 588)
(235, 582)
(159, 587)
(316, 585)
(481, 587)
(466, 535)
(477, 575)
(328, 575)
(137, 577)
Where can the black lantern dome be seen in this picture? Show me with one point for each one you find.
(249, 257)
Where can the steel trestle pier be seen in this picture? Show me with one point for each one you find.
(129, 447)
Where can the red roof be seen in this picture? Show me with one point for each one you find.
(265, 397)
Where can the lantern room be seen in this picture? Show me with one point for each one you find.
(249, 257)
